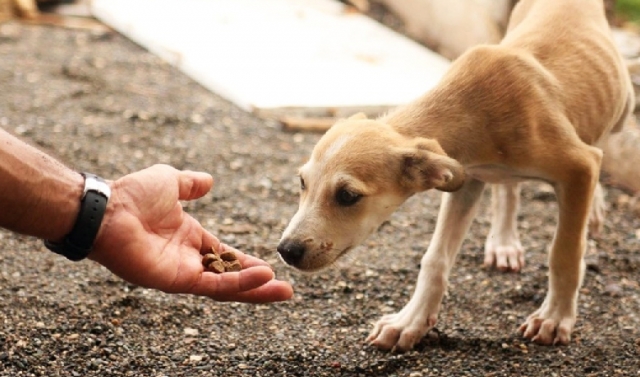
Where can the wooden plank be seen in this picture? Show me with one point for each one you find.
(70, 22)
(306, 124)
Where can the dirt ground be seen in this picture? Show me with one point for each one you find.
(102, 104)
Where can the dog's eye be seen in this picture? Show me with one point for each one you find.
(347, 198)
(302, 185)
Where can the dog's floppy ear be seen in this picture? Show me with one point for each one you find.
(426, 166)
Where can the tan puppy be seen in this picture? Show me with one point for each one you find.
(531, 107)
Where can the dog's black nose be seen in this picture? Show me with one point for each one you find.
(291, 251)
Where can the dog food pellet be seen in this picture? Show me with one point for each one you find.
(208, 258)
(226, 261)
(228, 256)
(217, 266)
(233, 266)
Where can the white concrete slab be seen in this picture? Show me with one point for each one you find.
(266, 55)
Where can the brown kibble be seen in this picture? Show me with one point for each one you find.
(233, 266)
(228, 256)
(208, 258)
(216, 266)
(225, 261)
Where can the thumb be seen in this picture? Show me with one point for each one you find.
(193, 185)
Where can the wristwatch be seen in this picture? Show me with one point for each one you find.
(78, 243)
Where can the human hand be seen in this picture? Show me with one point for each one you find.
(147, 239)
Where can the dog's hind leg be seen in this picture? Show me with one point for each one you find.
(598, 209)
(575, 181)
(402, 330)
(502, 248)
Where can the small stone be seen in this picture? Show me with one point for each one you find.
(592, 263)
(197, 118)
(613, 289)
(236, 164)
(623, 200)
(190, 331)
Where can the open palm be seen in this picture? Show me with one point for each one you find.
(147, 239)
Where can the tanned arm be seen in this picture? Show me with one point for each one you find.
(39, 196)
(145, 236)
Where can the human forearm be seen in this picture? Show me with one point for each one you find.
(145, 236)
(39, 196)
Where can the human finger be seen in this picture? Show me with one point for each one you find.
(272, 291)
(245, 259)
(227, 283)
(193, 185)
(255, 284)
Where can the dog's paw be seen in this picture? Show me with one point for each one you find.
(400, 331)
(547, 326)
(505, 254)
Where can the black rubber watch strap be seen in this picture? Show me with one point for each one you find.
(79, 242)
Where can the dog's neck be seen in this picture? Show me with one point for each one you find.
(439, 115)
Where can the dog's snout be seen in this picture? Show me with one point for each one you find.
(291, 251)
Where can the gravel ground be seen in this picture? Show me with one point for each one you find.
(102, 104)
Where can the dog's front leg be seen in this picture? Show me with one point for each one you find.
(402, 330)
(554, 321)
(502, 248)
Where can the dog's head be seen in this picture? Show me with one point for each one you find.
(360, 171)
